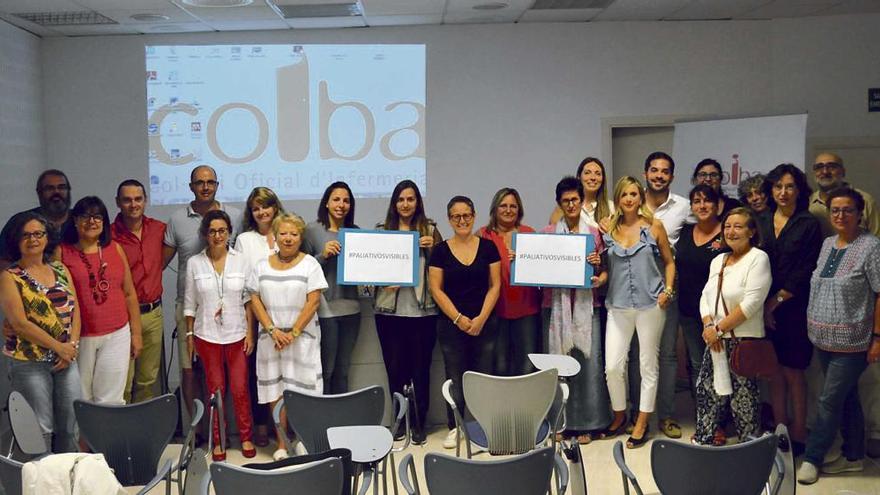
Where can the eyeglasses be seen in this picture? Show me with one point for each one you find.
(94, 218)
(829, 166)
(709, 175)
(33, 235)
(58, 188)
(203, 183)
(569, 201)
(216, 232)
(464, 217)
(842, 211)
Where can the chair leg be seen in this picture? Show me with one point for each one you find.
(394, 473)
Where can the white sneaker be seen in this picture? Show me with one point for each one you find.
(843, 465)
(299, 448)
(831, 457)
(476, 449)
(807, 474)
(450, 441)
(279, 455)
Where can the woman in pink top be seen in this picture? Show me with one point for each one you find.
(518, 307)
(111, 324)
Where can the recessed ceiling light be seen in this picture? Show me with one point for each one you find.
(148, 17)
(490, 6)
(218, 3)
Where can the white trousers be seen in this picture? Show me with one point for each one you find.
(648, 324)
(103, 366)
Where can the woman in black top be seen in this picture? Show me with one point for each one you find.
(465, 279)
(697, 245)
(709, 172)
(792, 239)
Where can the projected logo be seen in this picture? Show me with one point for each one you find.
(331, 114)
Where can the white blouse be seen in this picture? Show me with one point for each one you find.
(207, 292)
(746, 284)
(254, 246)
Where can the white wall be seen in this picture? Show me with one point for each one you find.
(508, 105)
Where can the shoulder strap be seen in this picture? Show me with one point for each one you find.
(719, 296)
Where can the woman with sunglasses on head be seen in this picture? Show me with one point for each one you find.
(340, 310)
(406, 317)
(111, 317)
(518, 308)
(465, 280)
(709, 172)
(217, 329)
(256, 242)
(43, 326)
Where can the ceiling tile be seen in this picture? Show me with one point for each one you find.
(403, 20)
(715, 9)
(28, 26)
(124, 16)
(101, 5)
(640, 10)
(402, 7)
(468, 5)
(101, 29)
(268, 24)
(22, 6)
(249, 13)
(777, 10)
(326, 22)
(853, 7)
(177, 27)
(478, 17)
(559, 15)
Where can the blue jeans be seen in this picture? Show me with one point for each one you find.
(517, 338)
(338, 336)
(51, 395)
(839, 407)
(692, 332)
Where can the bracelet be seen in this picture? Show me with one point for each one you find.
(269, 330)
(455, 321)
(709, 325)
(670, 292)
(189, 334)
(876, 335)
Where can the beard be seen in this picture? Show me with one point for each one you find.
(56, 205)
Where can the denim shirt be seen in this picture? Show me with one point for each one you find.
(635, 280)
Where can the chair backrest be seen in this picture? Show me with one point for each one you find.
(10, 475)
(311, 415)
(510, 409)
(196, 472)
(782, 481)
(131, 437)
(322, 477)
(685, 469)
(527, 474)
(25, 427)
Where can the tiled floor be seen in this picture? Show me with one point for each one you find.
(603, 477)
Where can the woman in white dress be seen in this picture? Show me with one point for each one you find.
(257, 242)
(285, 294)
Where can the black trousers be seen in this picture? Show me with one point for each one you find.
(463, 352)
(407, 347)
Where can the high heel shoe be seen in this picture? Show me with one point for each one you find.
(610, 433)
(220, 457)
(249, 453)
(634, 443)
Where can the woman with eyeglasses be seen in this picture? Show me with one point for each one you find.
(846, 336)
(111, 317)
(406, 317)
(256, 242)
(792, 238)
(217, 329)
(709, 172)
(518, 308)
(43, 321)
(465, 280)
(340, 310)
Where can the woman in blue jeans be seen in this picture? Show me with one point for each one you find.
(844, 325)
(340, 311)
(42, 330)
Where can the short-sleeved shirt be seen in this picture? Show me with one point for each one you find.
(843, 292)
(144, 256)
(283, 292)
(182, 234)
(692, 266)
(466, 285)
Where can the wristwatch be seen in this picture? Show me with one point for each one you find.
(270, 329)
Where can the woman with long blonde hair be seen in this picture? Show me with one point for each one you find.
(638, 294)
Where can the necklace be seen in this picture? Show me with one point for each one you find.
(98, 283)
(287, 260)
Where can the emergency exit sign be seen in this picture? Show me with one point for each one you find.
(874, 99)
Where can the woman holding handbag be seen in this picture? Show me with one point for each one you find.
(732, 309)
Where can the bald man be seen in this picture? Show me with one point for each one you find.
(830, 173)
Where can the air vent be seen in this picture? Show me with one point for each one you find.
(82, 18)
(319, 10)
(571, 4)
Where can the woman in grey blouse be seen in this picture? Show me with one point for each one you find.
(843, 322)
(339, 313)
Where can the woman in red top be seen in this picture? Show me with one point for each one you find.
(111, 324)
(518, 308)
